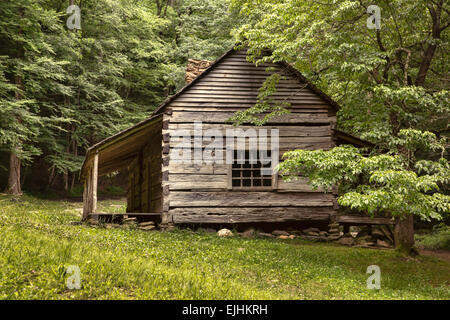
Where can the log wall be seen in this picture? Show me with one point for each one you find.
(201, 193)
(144, 177)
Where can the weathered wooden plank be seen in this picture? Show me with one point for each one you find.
(303, 109)
(204, 82)
(197, 181)
(197, 169)
(243, 75)
(251, 96)
(363, 220)
(306, 103)
(245, 70)
(280, 157)
(93, 209)
(221, 117)
(283, 147)
(216, 80)
(148, 214)
(202, 88)
(199, 178)
(241, 56)
(156, 190)
(248, 94)
(156, 205)
(284, 131)
(145, 186)
(130, 190)
(284, 142)
(239, 67)
(245, 87)
(248, 79)
(250, 215)
(300, 185)
(86, 184)
(249, 199)
(249, 100)
(233, 71)
(244, 63)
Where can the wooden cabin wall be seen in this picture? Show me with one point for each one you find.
(144, 177)
(152, 188)
(133, 192)
(200, 193)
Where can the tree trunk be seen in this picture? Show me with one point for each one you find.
(66, 181)
(13, 186)
(14, 175)
(431, 49)
(75, 153)
(404, 234)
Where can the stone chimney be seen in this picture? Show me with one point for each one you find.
(195, 68)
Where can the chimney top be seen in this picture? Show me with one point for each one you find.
(195, 68)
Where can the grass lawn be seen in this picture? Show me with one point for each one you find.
(38, 242)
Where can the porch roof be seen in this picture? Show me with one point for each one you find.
(117, 151)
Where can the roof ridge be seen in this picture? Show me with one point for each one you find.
(284, 64)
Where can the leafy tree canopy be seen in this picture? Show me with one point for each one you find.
(392, 85)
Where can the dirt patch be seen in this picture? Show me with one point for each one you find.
(440, 254)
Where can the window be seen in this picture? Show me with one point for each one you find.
(250, 173)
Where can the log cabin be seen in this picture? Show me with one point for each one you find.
(220, 193)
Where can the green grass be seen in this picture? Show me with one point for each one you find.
(438, 238)
(38, 242)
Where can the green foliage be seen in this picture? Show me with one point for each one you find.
(381, 183)
(265, 107)
(61, 90)
(438, 238)
(392, 85)
(39, 240)
(201, 30)
(114, 191)
(26, 56)
(385, 80)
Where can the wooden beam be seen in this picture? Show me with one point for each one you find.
(363, 220)
(94, 184)
(250, 215)
(85, 199)
(158, 214)
(248, 199)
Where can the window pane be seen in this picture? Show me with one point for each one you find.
(247, 174)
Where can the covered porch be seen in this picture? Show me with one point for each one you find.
(136, 149)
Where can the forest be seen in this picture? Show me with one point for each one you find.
(62, 90)
(65, 89)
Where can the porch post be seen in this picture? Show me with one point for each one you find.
(94, 184)
(86, 197)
